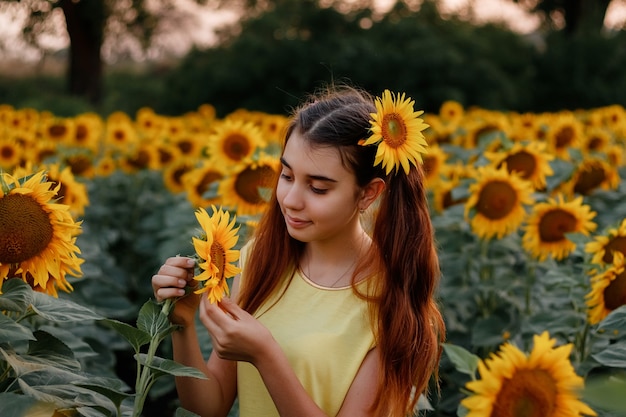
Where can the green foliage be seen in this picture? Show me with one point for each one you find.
(42, 364)
(580, 72)
(298, 47)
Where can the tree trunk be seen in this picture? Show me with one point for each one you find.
(85, 22)
(584, 16)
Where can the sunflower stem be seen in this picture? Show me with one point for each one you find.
(582, 342)
(530, 282)
(145, 377)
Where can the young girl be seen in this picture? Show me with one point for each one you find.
(332, 315)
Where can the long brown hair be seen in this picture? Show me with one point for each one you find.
(407, 323)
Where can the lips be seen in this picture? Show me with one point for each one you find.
(295, 222)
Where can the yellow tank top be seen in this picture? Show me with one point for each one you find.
(325, 333)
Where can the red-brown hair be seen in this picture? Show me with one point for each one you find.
(408, 326)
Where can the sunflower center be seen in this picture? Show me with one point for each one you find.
(618, 244)
(140, 160)
(554, 224)
(57, 131)
(119, 135)
(430, 165)
(81, 133)
(78, 164)
(7, 152)
(595, 143)
(165, 156)
(185, 146)
(236, 146)
(564, 137)
(615, 292)
(393, 130)
(25, 228)
(496, 200)
(530, 393)
(218, 258)
(207, 179)
(522, 162)
(250, 180)
(589, 179)
(177, 174)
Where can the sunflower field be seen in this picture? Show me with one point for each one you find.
(529, 211)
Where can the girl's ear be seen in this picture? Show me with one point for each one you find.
(370, 192)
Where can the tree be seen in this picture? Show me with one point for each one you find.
(124, 26)
(573, 16)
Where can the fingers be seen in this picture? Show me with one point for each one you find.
(172, 278)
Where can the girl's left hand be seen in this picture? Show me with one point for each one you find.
(235, 334)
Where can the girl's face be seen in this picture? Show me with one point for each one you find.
(317, 194)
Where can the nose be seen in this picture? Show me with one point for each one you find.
(292, 198)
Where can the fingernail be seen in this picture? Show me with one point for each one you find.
(181, 292)
(182, 282)
(190, 262)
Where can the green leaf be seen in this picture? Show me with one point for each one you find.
(152, 320)
(170, 367)
(113, 389)
(91, 412)
(137, 338)
(61, 310)
(488, 331)
(15, 405)
(606, 393)
(615, 322)
(614, 355)
(463, 360)
(16, 296)
(10, 331)
(49, 349)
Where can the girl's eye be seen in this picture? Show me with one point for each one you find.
(318, 190)
(285, 176)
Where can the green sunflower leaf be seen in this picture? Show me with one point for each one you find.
(463, 360)
(166, 366)
(136, 337)
(61, 310)
(10, 331)
(16, 296)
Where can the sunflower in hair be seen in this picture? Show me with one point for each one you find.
(397, 131)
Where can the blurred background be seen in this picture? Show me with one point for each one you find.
(70, 57)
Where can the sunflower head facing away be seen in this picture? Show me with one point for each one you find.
(540, 384)
(397, 131)
(215, 247)
(37, 235)
(603, 246)
(608, 290)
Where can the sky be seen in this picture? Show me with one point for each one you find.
(201, 33)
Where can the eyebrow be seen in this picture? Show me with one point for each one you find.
(313, 177)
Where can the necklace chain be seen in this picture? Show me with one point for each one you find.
(308, 274)
(356, 258)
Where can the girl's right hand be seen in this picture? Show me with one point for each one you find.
(171, 281)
